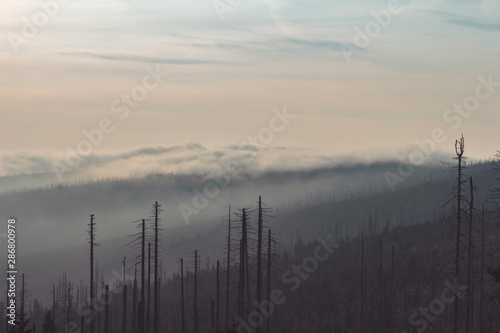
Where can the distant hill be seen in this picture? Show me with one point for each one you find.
(336, 203)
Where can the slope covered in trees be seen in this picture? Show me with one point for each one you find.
(371, 261)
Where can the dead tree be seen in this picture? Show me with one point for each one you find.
(139, 241)
(143, 264)
(228, 265)
(246, 270)
(362, 286)
(148, 315)
(241, 281)
(183, 318)
(269, 266)
(156, 271)
(259, 254)
(482, 268)
(380, 289)
(459, 150)
(156, 226)
(92, 290)
(456, 213)
(195, 294)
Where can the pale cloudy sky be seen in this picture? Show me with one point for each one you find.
(226, 76)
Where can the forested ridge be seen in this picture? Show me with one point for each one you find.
(371, 261)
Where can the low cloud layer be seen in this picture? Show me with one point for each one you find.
(184, 158)
(34, 169)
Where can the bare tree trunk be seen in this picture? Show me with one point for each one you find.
(241, 281)
(362, 298)
(380, 289)
(148, 314)
(472, 290)
(92, 235)
(459, 149)
(259, 257)
(156, 272)
(143, 264)
(228, 265)
(481, 304)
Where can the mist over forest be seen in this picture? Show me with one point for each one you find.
(335, 204)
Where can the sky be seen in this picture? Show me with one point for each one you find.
(228, 67)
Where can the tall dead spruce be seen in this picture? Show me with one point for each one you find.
(456, 205)
(156, 226)
(92, 244)
(139, 241)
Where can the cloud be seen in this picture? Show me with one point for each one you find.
(25, 162)
(461, 20)
(276, 11)
(320, 44)
(285, 44)
(35, 168)
(470, 23)
(133, 58)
